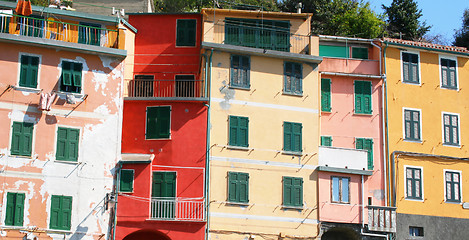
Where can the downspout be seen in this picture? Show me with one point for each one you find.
(208, 67)
(386, 129)
(116, 193)
(363, 203)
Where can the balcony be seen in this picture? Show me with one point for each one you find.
(177, 209)
(345, 160)
(382, 219)
(350, 66)
(150, 89)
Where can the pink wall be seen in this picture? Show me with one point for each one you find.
(356, 66)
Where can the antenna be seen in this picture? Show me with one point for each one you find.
(298, 7)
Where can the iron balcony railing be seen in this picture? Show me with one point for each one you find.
(382, 219)
(55, 29)
(147, 88)
(177, 209)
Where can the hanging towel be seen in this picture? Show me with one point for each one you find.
(43, 101)
(23, 7)
(50, 100)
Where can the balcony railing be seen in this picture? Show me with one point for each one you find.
(149, 88)
(56, 30)
(177, 209)
(382, 219)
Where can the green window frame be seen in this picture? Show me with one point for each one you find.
(414, 183)
(61, 212)
(29, 71)
(325, 94)
(68, 140)
(366, 144)
(451, 129)
(238, 187)
(449, 77)
(239, 131)
(292, 191)
(126, 183)
(22, 138)
(340, 187)
(240, 71)
(360, 52)
(15, 209)
(158, 122)
(410, 68)
(89, 33)
(326, 141)
(363, 91)
(293, 78)
(453, 186)
(412, 125)
(71, 78)
(186, 32)
(292, 137)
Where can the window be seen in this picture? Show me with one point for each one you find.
(448, 73)
(292, 191)
(325, 95)
(292, 137)
(451, 129)
(366, 144)
(293, 78)
(186, 32)
(360, 52)
(453, 186)
(240, 67)
(89, 33)
(363, 97)
(239, 131)
(414, 183)
(61, 212)
(333, 51)
(238, 187)
(412, 125)
(340, 190)
(29, 71)
(126, 180)
(71, 77)
(410, 67)
(163, 193)
(67, 144)
(416, 231)
(326, 141)
(22, 138)
(15, 209)
(143, 86)
(158, 122)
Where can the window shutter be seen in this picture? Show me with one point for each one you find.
(325, 94)
(77, 69)
(191, 32)
(10, 209)
(233, 122)
(243, 187)
(170, 184)
(366, 97)
(180, 36)
(67, 73)
(27, 139)
(16, 138)
(359, 143)
(287, 136)
(232, 177)
(33, 70)
(19, 209)
(55, 213)
(298, 192)
(126, 181)
(326, 141)
(358, 96)
(66, 212)
(157, 184)
(368, 145)
(287, 191)
(151, 132)
(62, 148)
(73, 141)
(243, 131)
(24, 71)
(297, 137)
(163, 121)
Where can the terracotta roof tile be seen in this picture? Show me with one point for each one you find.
(427, 45)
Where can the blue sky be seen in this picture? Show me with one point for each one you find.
(443, 15)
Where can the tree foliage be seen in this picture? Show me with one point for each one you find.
(196, 5)
(403, 20)
(461, 37)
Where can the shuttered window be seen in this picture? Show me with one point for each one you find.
(239, 131)
(333, 51)
(61, 212)
(453, 186)
(326, 141)
(15, 209)
(340, 189)
(126, 183)
(410, 67)
(325, 95)
(451, 129)
(238, 187)
(22, 139)
(67, 144)
(29, 71)
(448, 73)
(414, 183)
(71, 77)
(366, 144)
(292, 137)
(186, 32)
(158, 122)
(293, 78)
(240, 70)
(293, 191)
(359, 52)
(412, 124)
(164, 192)
(363, 97)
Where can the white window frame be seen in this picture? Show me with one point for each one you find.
(421, 180)
(420, 125)
(84, 66)
(28, 89)
(460, 185)
(439, 70)
(418, 65)
(4, 207)
(340, 189)
(443, 129)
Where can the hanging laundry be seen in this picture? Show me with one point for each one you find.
(50, 100)
(46, 101)
(23, 7)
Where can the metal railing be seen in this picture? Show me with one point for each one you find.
(144, 88)
(177, 209)
(57, 30)
(382, 219)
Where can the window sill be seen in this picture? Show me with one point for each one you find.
(450, 88)
(21, 156)
(453, 202)
(413, 140)
(362, 114)
(157, 138)
(78, 96)
(293, 94)
(341, 203)
(27, 89)
(412, 83)
(414, 199)
(326, 111)
(238, 148)
(239, 204)
(292, 153)
(59, 231)
(68, 162)
(284, 207)
(451, 145)
(241, 88)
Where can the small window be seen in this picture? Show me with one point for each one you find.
(366, 144)
(451, 129)
(292, 137)
(126, 183)
(71, 77)
(449, 77)
(416, 231)
(238, 187)
(292, 191)
(89, 33)
(186, 32)
(22, 138)
(363, 97)
(29, 71)
(414, 183)
(325, 95)
(15, 209)
(239, 131)
(340, 190)
(412, 125)
(158, 122)
(326, 141)
(293, 78)
(453, 186)
(410, 68)
(240, 70)
(67, 144)
(360, 52)
(61, 212)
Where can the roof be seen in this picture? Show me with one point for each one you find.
(426, 45)
(263, 13)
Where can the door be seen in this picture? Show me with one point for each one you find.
(163, 195)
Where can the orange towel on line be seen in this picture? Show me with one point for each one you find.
(23, 7)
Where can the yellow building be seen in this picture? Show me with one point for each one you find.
(427, 104)
(264, 124)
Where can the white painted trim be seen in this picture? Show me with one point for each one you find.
(262, 162)
(59, 80)
(421, 180)
(460, 185)
(3, 214)
(54, 112)
(263, 218)
(419, 67)
(420, 124)
(267, 105)
(80, 137)
(38, 70)
(443, 129)
(440, 56)
(170, 122)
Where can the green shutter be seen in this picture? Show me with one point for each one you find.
(292, 191)
(67, 73)
(243, 179)
(238, 131)
(164, 114)
(186, 32)
(232, 177)
(325, 95)
(359, 52)
(62, 151)
(287, 136)
(29, 71)
(292, 137)
(22, 138)
(326, 141)
(366, 144)
(76, 72)
(27, 139)
(164, 184)
(17, 129)
(297, 137)
(410, 67)
(363, 97)
(19, 209)
(238, 187)
(10, 209)
(333, 51)
(287, 191)
(126, 181)
(61, 212)
(158, 122)
(67, 144)
(66, 212)
(55, 212)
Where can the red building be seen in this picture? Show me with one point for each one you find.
(161, 181)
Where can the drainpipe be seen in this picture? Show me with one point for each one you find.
(208, 66)
(386, 130)
(363, 203)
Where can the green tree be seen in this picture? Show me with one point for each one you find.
(196, 5)
(403, 20)
(461, 37)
